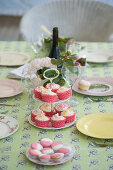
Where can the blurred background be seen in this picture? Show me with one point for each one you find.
(11, 12)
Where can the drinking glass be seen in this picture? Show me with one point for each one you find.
(29, 80)
(71, 74)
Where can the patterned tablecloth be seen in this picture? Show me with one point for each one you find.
(86, 157)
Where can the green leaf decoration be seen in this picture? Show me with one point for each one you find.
(56, 61)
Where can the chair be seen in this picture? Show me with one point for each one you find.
(85, 20)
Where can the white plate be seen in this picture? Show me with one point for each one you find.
(64, 159)
(99, 86)
(8, 126)
(50, 127)
(56, 101)
(9, 88)
(97, 56)
(13, 58)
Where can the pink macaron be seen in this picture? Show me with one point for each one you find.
(44, 158)
(57, 157)
(36, 146)
(65, 151)
(34, 154)
(47, 151)
(46, 142)
(56, 145)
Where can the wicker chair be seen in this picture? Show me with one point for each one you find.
(85, 20)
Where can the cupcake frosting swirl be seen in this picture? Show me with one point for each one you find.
(57, 117)
(67, 112)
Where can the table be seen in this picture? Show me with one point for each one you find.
(86, 157)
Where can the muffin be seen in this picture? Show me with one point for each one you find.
(48, 96)
(36, 146)
(34, 154)
(47, 151)
(54, 87)
(64, 93)
(56, 145)
(57, 157)
(46, 108)
(35, 113)
(58, 121)
(61, 107)
(44, 158)
(38, 92)
(46, 142)
(84, 85)
(42, 121)
(69, 115)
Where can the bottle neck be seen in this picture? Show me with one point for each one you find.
(55, 37)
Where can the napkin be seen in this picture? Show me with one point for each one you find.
(19, 72)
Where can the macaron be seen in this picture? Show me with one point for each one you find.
(57, 157)
(36, 146)
(34, 154)
(65, 151)
(46, 142)
(44, 158)
(56, 145)
(47, 151)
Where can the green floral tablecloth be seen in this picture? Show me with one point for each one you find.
(86, 157)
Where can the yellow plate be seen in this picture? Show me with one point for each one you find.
(99, 125)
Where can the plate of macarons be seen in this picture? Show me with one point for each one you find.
(48, 152)
(94, 86)
(52, 93)
(57, 117)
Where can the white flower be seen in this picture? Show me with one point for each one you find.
(39, 63)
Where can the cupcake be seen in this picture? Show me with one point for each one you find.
(42, 121)
(54, 87)
(56, 145)
(35, 113)
(38, 92)
(57, 121)
(61, 107)
(64, 93)
(46, 108)
(84, 85)
(44, 158)
(69, 115)
(65, 151)
(46, 142)
(34, 154)
(36, 146)
(48, 96)
(47, 151)
(57, 157)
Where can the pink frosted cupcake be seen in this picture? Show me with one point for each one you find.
(69, 115)
(48, 96)
(38, 92)
(64, 93)
(54, 87)
(46, 108)
(35, 113)
(42, 121)
(44, 158)
(56, 157)
(61, 107)
(58, 121)
(36, 146)
(46, 142)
